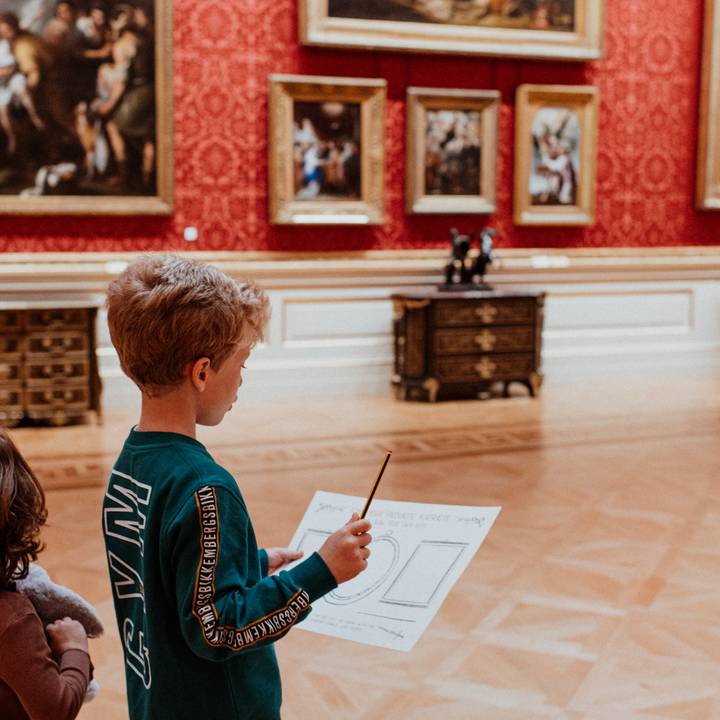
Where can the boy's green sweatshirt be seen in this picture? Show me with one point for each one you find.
(196, 610)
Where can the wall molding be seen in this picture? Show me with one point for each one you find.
(93, 271)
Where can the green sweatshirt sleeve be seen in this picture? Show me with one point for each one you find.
(262, 554)
(225, 605)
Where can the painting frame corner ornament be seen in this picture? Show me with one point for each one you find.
(556, 138)
(707, 192)
(573, 32)
(463, 178)
(89, 129)
(326, 150)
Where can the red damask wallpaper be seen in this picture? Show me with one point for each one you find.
(225, 49)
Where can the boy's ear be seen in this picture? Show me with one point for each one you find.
(198, 373)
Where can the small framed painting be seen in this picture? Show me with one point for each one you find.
(327, 157)
(451, 150)
(555, 154)
(560, 29)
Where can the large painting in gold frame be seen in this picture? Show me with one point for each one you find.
(326, 150)
(574, 32)
(87, 129)
(707, 195)
(555, 154)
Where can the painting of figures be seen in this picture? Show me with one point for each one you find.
(326, 154)
(555, 157)
(326, 150)
(525, 14)
(78, 106)
(556, 144)
(452, 152)
(549, 29)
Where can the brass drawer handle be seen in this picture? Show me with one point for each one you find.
(485, 368)
(486, 312)
(485, 340)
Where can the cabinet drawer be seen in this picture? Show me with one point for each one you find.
(483, 368)
(56, 398)
(452, 313)
(11, 397)
(57, 319)
(11, 321)
(10, 368)
(487, 339)
(10, 345)
(54, 372)
(56, 344)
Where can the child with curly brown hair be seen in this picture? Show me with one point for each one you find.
(44, 672)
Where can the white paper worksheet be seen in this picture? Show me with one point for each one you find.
(418, 553)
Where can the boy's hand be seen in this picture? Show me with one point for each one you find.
(346, 551)
(279, 557)
(66, 634)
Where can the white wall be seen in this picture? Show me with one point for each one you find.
(330, 333)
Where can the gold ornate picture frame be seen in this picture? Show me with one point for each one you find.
(567, 29)
(91, 133)
(326, 150)
(451, 150)
(555, 154)
(707, 194)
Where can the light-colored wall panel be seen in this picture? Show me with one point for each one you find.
(639, 310)
(335, 319)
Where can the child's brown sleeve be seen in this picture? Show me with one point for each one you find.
(46, 690)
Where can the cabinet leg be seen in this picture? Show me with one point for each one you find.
(534, 383)
(432, 386)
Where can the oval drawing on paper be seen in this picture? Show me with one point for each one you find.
(385, 554)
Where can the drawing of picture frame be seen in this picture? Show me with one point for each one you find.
(563, 29)
(707, 194)
(451, 150)
(326, 150)
(86, 108)
(555, 154)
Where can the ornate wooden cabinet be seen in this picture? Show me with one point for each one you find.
(459, 344)
(48, 365)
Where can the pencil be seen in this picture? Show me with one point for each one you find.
(375, 486)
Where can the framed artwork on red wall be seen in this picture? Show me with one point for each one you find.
(86, 108)
(707, 195)
(562, 29)
(451, 150)
(555, 154)
(326, 150)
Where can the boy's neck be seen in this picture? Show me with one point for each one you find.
(172, 412)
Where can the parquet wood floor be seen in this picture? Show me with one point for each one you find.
(595, 597)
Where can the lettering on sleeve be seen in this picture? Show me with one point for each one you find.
(216, 635)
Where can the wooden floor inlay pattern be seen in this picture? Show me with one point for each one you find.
(596, 596)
